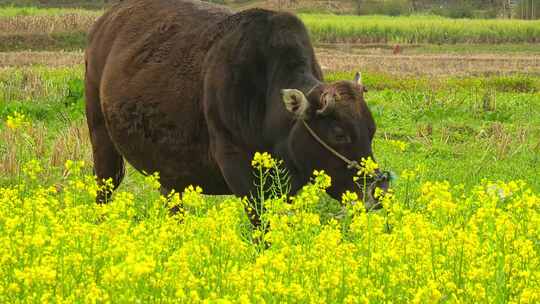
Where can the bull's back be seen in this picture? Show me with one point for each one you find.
(145, 59)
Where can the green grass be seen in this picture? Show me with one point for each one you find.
(419, 29)
(523, 48)
(54, 4)
(12, 11)
(460, 129)
(70, 41)
(42, 93)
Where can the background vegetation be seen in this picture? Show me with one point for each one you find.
(419, 29)
(65, 29)
(522, 9)
(459, 129)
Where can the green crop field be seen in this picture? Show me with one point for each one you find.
(458, 117)
(420, 29)
(65, 29)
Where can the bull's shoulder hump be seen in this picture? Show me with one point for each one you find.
(131, 19)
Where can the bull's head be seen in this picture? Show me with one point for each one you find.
(333, 128)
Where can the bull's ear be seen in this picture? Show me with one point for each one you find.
(358, 78)
(295, 102)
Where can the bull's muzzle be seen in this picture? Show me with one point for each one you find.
(380, 180)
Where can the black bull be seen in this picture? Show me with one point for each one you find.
(192, 90)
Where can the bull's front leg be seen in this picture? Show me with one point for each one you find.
(235, 166)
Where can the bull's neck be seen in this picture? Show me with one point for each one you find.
(279, 122)
(302, 77)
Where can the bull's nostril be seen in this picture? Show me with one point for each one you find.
(375, 206)
(388, 176)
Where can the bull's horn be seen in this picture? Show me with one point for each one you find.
(358, 78)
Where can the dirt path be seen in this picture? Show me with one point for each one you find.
(339, 60)
(440, 64)
(52, 59)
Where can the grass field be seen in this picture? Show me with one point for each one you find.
(13, 11)
(470, 126)
(419, 29)
(458, 123)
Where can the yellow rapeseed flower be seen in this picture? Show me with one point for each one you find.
(16, 120)
(401, 145)
(368, 167)
(263, 160)
(322, 180)
(446, 243)
(32, 169)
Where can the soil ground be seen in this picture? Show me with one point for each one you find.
(346, 58)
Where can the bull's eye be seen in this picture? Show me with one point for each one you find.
(339, 135)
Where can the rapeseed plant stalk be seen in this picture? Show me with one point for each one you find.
(272, 187)
(368, 168)
(408, 176)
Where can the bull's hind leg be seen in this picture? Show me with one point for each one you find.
(108, 163)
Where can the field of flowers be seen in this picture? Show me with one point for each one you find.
(437, 244)
(461, 225)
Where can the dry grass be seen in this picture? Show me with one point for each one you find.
(505, 143)
(326, 6)
(15, 148)
(438, 64)
(33, 84)
(46, 24)
(41, 9)
(50, 59)
(343, 60)
(33, 142)
(71, 143)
